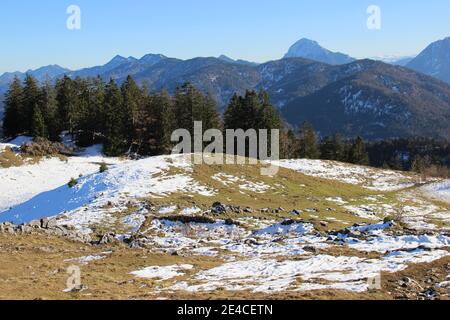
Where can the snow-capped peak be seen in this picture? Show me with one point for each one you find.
(310, 49)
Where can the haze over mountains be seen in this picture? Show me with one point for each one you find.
(332, 90)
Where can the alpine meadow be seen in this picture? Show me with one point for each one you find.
(299, 170)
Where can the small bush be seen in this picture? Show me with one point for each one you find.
(9, 159)
(72, 183)
(103, 167)
(41, 147)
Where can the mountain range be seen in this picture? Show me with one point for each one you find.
(332, 90)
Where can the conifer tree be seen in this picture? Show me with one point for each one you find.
(338, 147)
(332, 148)
(308, 148)
(191, 105)
(208, 114)
(81, 115)
(326, 149)
(48, 105)
(12, 125)
(97, 116)
(268, 118)
(115, 126)
(66, 100)
(155, 125)
(254, 111)
(289, 145)
(132, 100)
(358, 153)
(232, 120)
(38, 127)
(30, 100)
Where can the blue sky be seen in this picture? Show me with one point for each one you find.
(34, 33)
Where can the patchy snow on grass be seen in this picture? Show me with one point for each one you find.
(134, 221)
(217, 230)
(229, 180)
(439, 191)
(282, 229)
(166, 210)
(365, 212)
(373, 227)
(162, 273)
(337, 200)
(378, 241)
(257, 187)
(310, 273)
(190, 211)
(225, 179)
(370, 178)
(86, 259)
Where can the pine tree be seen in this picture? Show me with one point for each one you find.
(244, 112)
(326, 149)
(332, 148)
(289, 145)
(338, 147)
(38, 127)
(30, 100)
(115, 126)
(191, 105)
(232, 120)
(97, 115)
(269, 119)
(132, 100)
(308, 148)
(183, 102)
(12, 125)
(208, 114)
(254, 111)
(82, 117)
(155, 125)
(251, 110)
(358, 153)
(48, 104)
(66, 100)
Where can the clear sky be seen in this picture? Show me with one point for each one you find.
(34, 33)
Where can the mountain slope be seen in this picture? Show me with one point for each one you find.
(40, 74)
(309, 49)
(377, 101)
(434, 60)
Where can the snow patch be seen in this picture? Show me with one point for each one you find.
(162, 273)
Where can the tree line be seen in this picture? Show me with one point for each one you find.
(128, 119)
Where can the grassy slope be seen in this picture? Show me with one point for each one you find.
(288, 189)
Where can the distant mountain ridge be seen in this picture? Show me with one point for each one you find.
(434, 60)
(364, 97)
